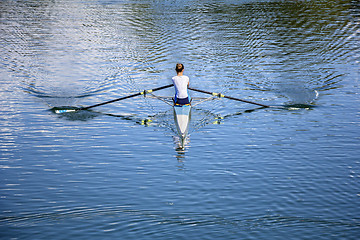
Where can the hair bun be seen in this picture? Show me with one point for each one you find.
(179, 67)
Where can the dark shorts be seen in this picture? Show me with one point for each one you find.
(182, 101)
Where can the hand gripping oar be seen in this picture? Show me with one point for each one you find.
(114, 100)
(232, 98)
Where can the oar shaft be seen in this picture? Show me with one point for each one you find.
(246, 101)
(228, 97)
(126, 97)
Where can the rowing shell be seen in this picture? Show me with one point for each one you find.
(182, 115)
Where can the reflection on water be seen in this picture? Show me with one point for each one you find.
(118, 47)
(291, 170)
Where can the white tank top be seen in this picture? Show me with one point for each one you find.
(181, 83)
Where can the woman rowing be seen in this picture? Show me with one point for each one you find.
(181, 83)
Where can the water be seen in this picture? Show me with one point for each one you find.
(116, 172)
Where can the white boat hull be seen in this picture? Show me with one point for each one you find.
(182, 115)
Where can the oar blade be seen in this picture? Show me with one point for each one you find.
(64, 109)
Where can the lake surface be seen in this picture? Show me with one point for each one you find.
(116, 172)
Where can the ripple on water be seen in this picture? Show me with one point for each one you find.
(136, 222)
(265, 173)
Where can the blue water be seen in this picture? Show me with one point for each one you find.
(115, 172)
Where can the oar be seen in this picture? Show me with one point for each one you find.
(126, 97)
(114, 100)
(228, 97)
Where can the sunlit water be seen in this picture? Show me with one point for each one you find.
(116, 172)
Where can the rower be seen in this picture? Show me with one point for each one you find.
(181, 83)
